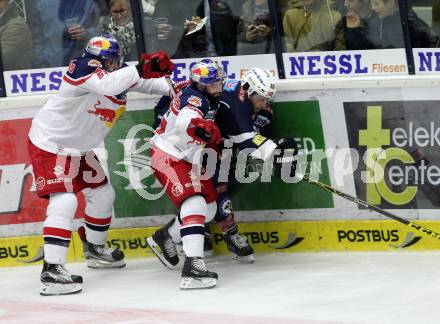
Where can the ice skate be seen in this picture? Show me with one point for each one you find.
(56, 280)
(100, 256)
(163, 247)
(238, 245)
(196, 276)
(179, 248)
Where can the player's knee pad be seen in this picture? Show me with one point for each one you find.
(100, 201)
(62, 205)
(194, 205)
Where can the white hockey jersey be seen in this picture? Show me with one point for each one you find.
(171, 136)
(88, 104)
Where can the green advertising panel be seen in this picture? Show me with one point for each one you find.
(133, 180)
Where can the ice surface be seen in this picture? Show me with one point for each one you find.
(302, 288)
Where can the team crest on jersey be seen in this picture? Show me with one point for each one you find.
(40, 183)
(94, 63)
(195, 101)
(177, 189)
(231, 85)
(261, 121)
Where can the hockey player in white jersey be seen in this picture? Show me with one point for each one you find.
(184, 130)
(91, 98)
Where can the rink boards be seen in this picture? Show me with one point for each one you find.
(265, 237)
(335, 124)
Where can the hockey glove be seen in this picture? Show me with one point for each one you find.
(204, 131)
(287, 156)
(154, 65)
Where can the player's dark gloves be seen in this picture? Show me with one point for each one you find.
(287, 151)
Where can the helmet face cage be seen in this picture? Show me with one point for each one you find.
(206, 72)
(104, 48)
(260, 82)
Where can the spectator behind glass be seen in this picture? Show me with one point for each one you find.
(255, 34)
(60, 29)
(359, 26)
(15, 39)
(390, 26)
(311, 27)
(120, 26)
(217, 37)
(176, 11)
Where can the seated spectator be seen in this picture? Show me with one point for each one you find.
(120, 26)
(360, 25)
(255, 34)
(60, 29)
(15, 39)
(217, 37)
(311, 27)
(390, 35)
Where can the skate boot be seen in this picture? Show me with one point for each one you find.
(163, 246)
(238, 245)
(99, 256)
(196, 276)
(179, 248)
(56, 280)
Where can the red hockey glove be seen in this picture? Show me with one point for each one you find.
(204, 131)
(154, 65)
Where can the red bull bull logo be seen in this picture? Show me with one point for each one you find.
(202, 71)
(101, 43)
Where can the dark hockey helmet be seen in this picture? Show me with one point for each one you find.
(104, 48)
(206, 71)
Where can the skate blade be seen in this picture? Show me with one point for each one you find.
(188, 283)
(157, 251)
(244, 259)
(57, 289)
(102, 264)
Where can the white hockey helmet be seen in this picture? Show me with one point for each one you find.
(261, 82)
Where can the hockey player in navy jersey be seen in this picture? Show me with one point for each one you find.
(184, 130)
(243, 112)
(64, 132)
(250, 115)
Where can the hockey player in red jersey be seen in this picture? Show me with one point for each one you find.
(184, 130)
(91, 98)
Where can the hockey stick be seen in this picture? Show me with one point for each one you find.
(360, 202)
